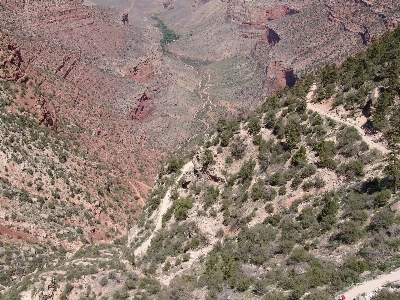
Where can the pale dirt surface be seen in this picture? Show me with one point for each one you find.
(88, 3)
(194, 256)
(26, 295)
(326, 110)
(370, 286)
(165, 204)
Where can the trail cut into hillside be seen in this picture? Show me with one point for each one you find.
(326, 110)
(372, 285)
(166, 202)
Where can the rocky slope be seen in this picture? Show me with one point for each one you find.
(295, 201)
(90, 100)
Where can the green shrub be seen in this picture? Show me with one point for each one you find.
(308, 185)
(382, 219)
(300, 157)
(282, 190)
(257, 190)
(254, 125)
(238, 148)
(296, 182)
(326, 151)
(382, 198)
(319, 182)
(103, 281)
(270, 119)
(350, 232)
(327, 217)
(245, 173)
(210, 197)
(168, 34)
(275, 296)
(285, 247)
(358, 265)
(308, 171)
(130, 285)
(182, 207)
(386, 294)
(174, 165)
(208, 158)
(276, 179)
(293, 132)
(353, 169)
(270, 194)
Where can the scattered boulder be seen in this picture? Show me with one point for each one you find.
(395, 206)
(187, 179)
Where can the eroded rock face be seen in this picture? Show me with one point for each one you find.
(201, 170)
(48, 289)
(47, 113)
(168, 4)
(142, 109)
(196, 3)
(271, 37)
(10, 60)
(278, 75)
(253, 18)
(301, 34)
(83, 57)
(278, 12)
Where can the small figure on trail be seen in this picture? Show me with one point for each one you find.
(125, 19)
(343, 297)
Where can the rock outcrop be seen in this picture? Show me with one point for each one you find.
(203, 170)
(47, 113)
(10, 60)
(278, 76)
(125, 18)
(141, 110)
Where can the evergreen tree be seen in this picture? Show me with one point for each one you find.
(392, 169)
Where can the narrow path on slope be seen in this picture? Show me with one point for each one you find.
(326, 111)
(133, 2)
(371, 285)
(164, 205)
(194, 256)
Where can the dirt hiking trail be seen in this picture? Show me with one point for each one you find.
(326, 110)
(372, 285)
(159, 213)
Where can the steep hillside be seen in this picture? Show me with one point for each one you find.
(294, 198)
(295, 201)
(55, 196)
